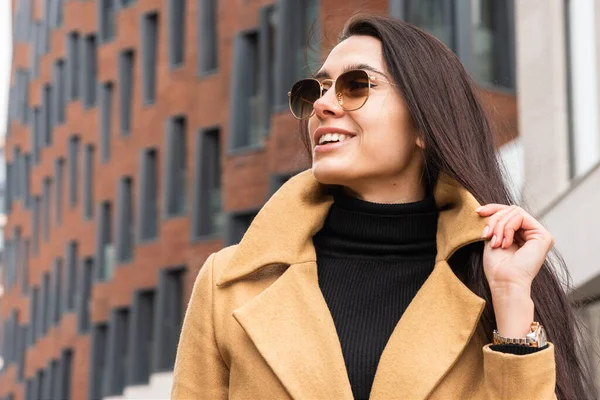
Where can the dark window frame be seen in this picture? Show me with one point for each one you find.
(73, 64)
(150, 23)
(174, 179)
(125, 221)
(207, 38)
(147, 197)
(168, 317)
(126, 90)
(207, 168)
(176, 31)
(106, 117)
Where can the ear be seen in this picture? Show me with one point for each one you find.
(420, 142)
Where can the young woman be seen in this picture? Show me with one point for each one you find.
(378, 274)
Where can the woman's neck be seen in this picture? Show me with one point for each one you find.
(387, 191)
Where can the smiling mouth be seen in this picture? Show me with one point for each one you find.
(333, 138)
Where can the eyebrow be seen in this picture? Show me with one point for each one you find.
(350, 67)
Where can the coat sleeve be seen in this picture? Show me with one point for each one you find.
(200, 372)
(513, 377)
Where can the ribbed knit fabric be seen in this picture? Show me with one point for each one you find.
(371, 261)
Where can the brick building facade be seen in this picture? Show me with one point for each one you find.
(144, 135)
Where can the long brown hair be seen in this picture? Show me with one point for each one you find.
(443, 102)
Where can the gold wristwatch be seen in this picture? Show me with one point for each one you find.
(535, 338)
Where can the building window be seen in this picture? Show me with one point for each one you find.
(29, 389)
(88, 181)
(16, 174)
(56, 13)
(35, 224)
(582, 77)
(73, 66)
(27, 161)
(105, 253)
(118, 349)
(34, 317)
(141, 340)
(59, 174)
(37, 140)
(127, 3)
(125, 90)
(53, 377)
(25, 266)
(89, 71)
(85, 285)
(98, 360)
(63, 384)
(59, 102)
(434, 16)
(480, 32)
(36, 48)
(125, 221)
(106, 23)
(42, 384)
(149, 48)
(105, 120)
(46, 124)
(47, 194)
(57, 277)
(72, 258)
(298, 54)
(168, 319)
(207, 42)
(176, 12)
(175, 167)
(22, 104)
(45, 303)
(148, 195)
(208, 214)
(236, 226)
(21, 348)
(9, 188)
(246, 116)
(73, 169)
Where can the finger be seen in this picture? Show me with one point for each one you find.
(511, 227)
(498, 229)
(493, 220)
(490, 209)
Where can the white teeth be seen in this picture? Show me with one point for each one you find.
(333, 137)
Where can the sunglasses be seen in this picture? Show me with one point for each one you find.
(352, 90)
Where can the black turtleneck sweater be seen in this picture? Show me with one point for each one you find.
(372, 259)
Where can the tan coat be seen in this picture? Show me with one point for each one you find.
(258, 327)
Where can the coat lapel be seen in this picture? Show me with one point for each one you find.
(428, 339)
(290, 323)
(293, 330)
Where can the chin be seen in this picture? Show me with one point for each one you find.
(330, 175)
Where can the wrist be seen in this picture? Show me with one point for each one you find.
(514, 311)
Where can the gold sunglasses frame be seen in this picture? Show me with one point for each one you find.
(337, 95)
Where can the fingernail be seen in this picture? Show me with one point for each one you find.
(485, 231)
(479, 209)
(493, 240)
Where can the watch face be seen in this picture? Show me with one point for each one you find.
(542, 340)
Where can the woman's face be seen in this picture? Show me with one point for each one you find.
(380, 149)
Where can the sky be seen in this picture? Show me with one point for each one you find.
(5, 60)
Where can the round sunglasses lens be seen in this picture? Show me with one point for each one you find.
(302, 97)
(352, 89)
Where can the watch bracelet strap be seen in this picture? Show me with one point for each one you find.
(529, 341)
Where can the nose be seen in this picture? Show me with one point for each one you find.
(327, 105)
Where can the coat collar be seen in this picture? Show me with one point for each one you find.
(291, 326)
(297, 211)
